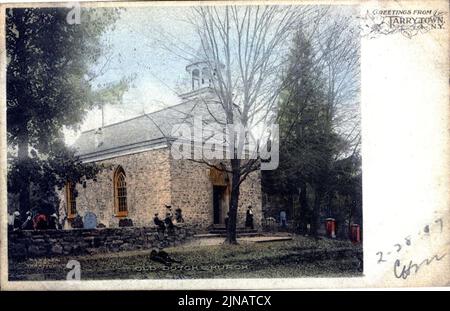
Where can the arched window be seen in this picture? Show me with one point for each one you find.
(71, 201)
(120, 193)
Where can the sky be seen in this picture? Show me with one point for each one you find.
(135, 51)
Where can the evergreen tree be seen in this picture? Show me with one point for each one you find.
(309, 144)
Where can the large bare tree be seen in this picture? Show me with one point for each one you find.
(245, 47)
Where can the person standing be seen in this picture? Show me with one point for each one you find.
(169, 212)
(159, 223)
(283, 219)
(169, 224)
(16, 223)
(249, 218)
(179, 216)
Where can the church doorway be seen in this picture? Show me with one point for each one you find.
(220, 206)
(220, 195)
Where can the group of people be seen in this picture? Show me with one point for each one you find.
(34, 220)
(167, 223)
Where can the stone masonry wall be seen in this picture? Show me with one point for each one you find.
(153, 179)
(148, 189)
(46, 243)
(250, 194)
(192, 191)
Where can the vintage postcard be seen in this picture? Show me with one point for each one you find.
(224, 145)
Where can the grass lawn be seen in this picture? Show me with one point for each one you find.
(300, 257)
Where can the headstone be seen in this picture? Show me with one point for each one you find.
(90, 221)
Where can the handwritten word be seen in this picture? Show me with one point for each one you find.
(404, 271)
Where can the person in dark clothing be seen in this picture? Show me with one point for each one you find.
(154, 256)
(16, 222)
(169, 223)
(40, 222)
(166, 257)
(162, 257)
(249, 218)
(53, 222)
(28, 223)
(169, 211)
(159, 223)
(283, 219)
(179, 216)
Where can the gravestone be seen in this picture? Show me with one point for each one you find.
(90, 221)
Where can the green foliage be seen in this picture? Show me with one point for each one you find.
(47, 174)
(313, 156)
(50, 80)
(306, 143)
(52, 69)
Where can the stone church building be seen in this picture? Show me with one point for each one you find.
(141, 176)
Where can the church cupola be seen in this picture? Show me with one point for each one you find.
(200, 75)
(202, 71)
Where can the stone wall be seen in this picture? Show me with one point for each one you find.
(148, 189)
(250, 194)
(192, 191)
(154, 179)
(47, 243)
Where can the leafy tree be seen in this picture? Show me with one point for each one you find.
(52, 67)
(42, 175)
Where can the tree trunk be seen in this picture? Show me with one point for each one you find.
(315, 222)
(24, 192)
(302, 219)
(234, 200)
(293, 211)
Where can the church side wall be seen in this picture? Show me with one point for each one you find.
(192, 191)
(148, 189)
(250, 194)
